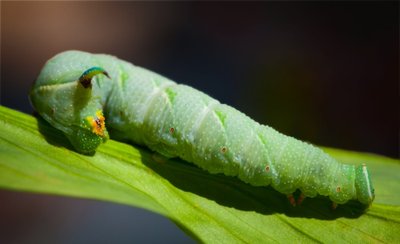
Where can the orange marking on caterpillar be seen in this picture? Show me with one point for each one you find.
(97, 124)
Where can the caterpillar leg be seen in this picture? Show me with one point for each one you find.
(300, 199)
(159, 158)
(334, 205)
(291, 200)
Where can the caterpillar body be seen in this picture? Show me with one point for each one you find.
(83, 94)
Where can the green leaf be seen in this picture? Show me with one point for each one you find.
(35, 157)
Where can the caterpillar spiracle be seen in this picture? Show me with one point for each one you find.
(83, 94)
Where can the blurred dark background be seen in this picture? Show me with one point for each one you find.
(324, 72)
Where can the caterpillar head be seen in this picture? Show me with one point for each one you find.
(364, 188)
(72, 104)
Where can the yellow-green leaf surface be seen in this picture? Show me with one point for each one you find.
(34, 157)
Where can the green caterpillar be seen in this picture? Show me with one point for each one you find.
(76, 95)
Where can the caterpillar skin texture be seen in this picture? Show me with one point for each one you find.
(74, 94)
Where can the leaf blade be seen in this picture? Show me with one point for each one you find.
(35, 157)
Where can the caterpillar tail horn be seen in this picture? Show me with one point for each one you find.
(86, 77)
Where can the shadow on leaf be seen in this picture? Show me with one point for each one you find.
(231, 192)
